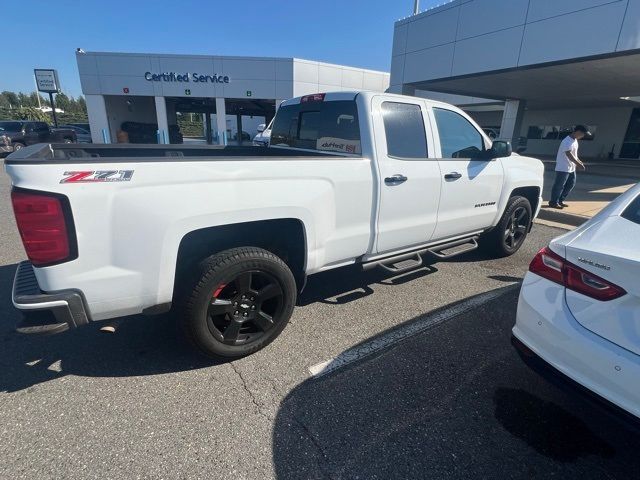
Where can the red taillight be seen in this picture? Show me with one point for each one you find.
(316, 97)
(43, 227)
(553, 267)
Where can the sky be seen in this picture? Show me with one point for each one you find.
(358, 33)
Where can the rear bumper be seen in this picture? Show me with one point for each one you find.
(66, 306)
(566, 383)
(549, 331)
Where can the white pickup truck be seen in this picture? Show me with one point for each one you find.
(226, 236)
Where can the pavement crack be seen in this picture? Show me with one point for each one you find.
(259, 408)
(322, 464)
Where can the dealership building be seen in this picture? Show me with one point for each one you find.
(144, 98)
(530, 69)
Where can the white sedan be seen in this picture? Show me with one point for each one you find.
(579, 307)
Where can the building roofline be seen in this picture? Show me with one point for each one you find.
(231, 57)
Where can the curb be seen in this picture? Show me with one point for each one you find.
(562, 217)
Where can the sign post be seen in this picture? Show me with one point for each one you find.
(47, 81)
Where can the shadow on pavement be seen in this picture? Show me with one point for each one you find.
(344, 285)
(142, 346)
(455, 402)
(548, 428)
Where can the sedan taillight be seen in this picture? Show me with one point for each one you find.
(553, 267)
(45, 225)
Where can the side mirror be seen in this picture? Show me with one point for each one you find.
(500, 149)
(260, 128)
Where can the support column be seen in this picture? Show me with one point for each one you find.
(98, 120)
(239, 128)
(511, 125)
(163, 123)
(221, 120)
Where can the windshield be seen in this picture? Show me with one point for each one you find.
(10, 126)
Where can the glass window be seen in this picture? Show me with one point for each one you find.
(555, 132)
(458, 137)
(318, 125)
(404, 129)
(11, 126)
(41, 127)
(632, 212)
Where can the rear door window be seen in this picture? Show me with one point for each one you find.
(404, 130)
(458, 137)
(330, 126)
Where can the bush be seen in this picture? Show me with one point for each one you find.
(24, 113)
(32, 113)
(190, 129)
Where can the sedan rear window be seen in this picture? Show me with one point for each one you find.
(330, 126)
(632, 212)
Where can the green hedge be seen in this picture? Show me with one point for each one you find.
(32, 113)
(190, 129)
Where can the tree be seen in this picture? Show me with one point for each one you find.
(62, 102)
(33, 98)
(82, 105)
(10, 98)
(24, 100)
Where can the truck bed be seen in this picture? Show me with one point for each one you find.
(122, 153)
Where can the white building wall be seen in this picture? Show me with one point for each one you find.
(313, 77)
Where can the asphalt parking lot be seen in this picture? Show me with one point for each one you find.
(448, 398)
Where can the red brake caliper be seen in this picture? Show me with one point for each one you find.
(219, 289)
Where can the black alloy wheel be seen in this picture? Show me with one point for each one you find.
(243, 309)
(517, 227)
(239, 301)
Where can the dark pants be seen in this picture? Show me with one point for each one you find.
(563, 185)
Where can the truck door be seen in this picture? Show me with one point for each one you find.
(31, 136)
(409, 175)
(471, 186)
(43, 132)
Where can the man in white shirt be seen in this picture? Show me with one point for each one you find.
(566, 161)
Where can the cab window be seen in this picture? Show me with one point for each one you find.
(330, 126)
(458, 137)
(404, 130)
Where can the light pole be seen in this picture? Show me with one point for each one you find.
(416, 7)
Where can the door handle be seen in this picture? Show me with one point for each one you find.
(452, 176)
(396, 179)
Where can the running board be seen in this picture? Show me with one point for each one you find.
(457, 247)
(409, 261)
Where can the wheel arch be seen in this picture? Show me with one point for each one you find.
(284, 237)
(531, 193)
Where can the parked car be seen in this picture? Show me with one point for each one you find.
(83, 135)
(263, 136)
(227, 236)
(84, 126)
(579, 309)
(26, 132)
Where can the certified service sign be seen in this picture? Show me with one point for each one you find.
(47, 80)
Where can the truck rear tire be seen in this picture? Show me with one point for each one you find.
(240, 302)
(511, 231)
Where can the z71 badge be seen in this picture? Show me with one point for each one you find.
(94, 176)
